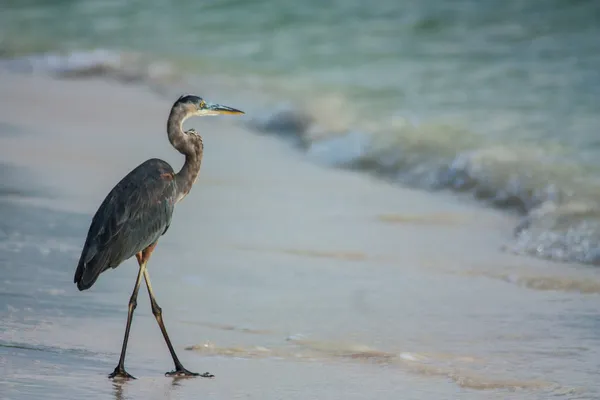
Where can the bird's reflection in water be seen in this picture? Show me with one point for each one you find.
(176, 382)
(119, 388)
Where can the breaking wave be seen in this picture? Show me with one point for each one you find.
(558, 200)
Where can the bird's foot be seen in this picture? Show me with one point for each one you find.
(181, 372)
(120, 373)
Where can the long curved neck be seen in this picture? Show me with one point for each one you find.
(188, 145)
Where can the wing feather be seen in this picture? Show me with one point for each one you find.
(134, 215)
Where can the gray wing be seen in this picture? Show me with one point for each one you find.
(133, 215)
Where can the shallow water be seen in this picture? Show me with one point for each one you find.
(323, 284)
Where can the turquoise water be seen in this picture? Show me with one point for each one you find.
(528, 70)
(498, 99)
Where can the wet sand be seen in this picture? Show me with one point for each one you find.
(283, 278)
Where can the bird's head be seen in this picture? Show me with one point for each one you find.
(196, 106)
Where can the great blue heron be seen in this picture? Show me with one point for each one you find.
(138, 211)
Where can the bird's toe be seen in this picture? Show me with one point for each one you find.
(182, 372)
(120, 373)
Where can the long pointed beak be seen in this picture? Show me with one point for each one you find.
(219, 109)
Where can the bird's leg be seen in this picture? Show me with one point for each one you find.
(119, 371)
(157, 311)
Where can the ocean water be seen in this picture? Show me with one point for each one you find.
(500, 101)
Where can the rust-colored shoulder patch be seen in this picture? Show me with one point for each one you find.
(168, 176)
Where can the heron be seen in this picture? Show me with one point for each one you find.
(138, 211)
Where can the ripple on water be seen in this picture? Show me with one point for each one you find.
(465, 371)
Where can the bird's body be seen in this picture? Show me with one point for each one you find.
(135, 214)
(138, 211)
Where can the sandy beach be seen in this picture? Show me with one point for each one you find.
(285, 279)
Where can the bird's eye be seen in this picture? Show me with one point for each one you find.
(202, 105)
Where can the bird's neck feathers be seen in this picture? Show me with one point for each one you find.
(189, 145)
(188, 175)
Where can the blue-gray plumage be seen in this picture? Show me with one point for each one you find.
(132, 217)
(138, 211)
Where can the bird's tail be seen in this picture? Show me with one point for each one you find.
(89, 269)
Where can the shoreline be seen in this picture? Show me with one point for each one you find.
(500, 228)
(559, 214)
